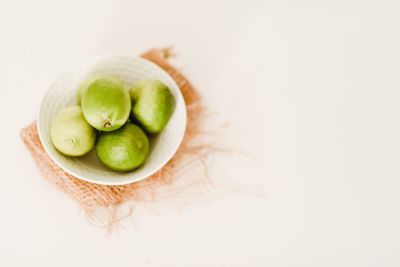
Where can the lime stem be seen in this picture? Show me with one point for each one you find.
(107, 124)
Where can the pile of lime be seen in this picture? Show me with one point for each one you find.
(114, 119)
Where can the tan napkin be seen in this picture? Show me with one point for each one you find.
(182, 178)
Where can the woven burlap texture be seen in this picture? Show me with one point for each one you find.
(183, 177)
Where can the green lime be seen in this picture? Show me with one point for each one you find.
(71, 134)
(124, 149)
(106, 104)
(152, 105)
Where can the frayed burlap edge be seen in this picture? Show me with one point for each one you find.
(182, 178)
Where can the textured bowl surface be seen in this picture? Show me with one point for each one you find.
(62, 93)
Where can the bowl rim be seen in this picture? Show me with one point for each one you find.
(92, 60)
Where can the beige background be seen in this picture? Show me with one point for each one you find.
(311, 91)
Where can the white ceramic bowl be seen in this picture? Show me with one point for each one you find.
(62, 93)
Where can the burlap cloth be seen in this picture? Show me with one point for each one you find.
(183, 178)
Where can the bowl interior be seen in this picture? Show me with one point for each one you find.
(62, 93)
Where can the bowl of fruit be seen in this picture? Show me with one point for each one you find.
(113, 120)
